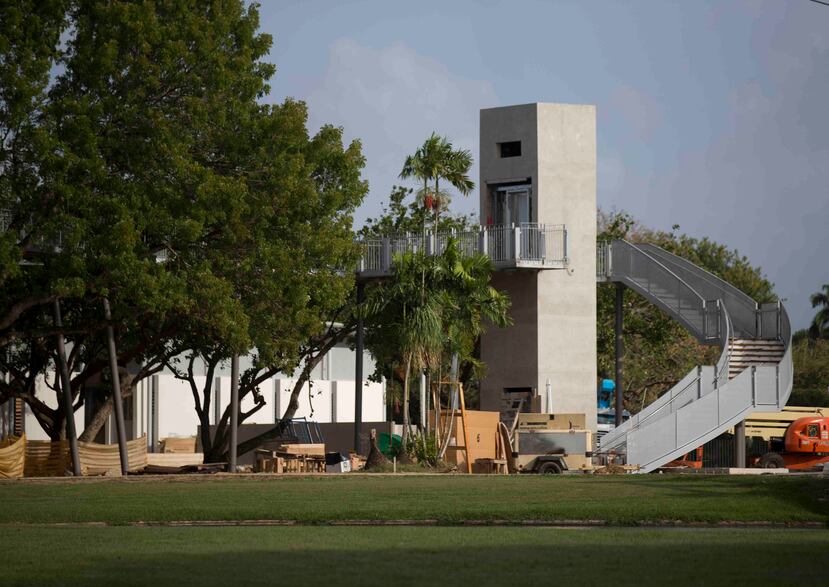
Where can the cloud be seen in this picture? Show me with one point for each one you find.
(392, 98)
(640, 110)
(760, 184)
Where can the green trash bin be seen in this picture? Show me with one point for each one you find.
(389, 444)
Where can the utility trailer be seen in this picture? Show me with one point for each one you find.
(552, 444)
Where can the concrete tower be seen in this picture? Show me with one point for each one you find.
(538, 165)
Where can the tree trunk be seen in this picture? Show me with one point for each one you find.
(404, 456)
(293, 403)
(102, 414)
(376, 459)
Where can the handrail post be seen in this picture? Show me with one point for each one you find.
(566, 258)
(609, 259)
(483, 241)
(516, 243)
(385, 261)
(779, 322)
(758, 321)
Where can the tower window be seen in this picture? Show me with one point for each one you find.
(510, 149)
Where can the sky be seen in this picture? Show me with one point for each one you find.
(711, 115)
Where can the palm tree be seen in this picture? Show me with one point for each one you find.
(435, 160)
(820, 323)
(406, 321)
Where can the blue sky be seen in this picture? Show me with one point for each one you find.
(711, 115)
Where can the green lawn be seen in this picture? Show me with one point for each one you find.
(615, 500)
(410, 556)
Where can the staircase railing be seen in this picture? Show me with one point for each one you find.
(697, 382)
(705, 402)
(647, 275)
(749, 319)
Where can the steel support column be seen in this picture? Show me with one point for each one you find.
(423, 401)
(740, 444)
(115, 378)
(358, 368)
(66, 387)
(234, 410)
(620, 351)
(154, 413)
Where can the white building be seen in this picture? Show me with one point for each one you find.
(328, 397)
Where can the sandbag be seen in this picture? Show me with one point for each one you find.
(12, 457)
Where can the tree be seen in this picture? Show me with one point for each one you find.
(811, 372)
(410, 328)
(437, 159)
(405, 320)
(214, 224)
(820, 323)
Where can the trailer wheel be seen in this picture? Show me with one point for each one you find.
(771, 460)
(549, 468)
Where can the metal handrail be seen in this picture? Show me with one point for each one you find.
(744, 310)
(528, 244)
(625, 255)
(725, 358)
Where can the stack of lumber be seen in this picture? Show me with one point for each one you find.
(178, 445)
(292, 458)
(104, 459)
(175, 459)
(47, 459)
(12, 457)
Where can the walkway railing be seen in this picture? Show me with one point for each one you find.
(528, 245)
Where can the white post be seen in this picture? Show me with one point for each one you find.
(548, 400)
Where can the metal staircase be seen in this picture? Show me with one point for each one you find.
(753, 373)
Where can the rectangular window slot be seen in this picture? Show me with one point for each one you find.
(509, 149)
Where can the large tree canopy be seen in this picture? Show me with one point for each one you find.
(148, 171)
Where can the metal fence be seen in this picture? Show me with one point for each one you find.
(526, 245)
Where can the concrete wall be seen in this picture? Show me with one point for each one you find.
(510, 354)
(500, 125)
(48, 396)
(567, 299)
(327, 401)
(554, 336)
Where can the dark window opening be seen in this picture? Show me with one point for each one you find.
(510, 149)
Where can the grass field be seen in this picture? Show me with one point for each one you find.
(38, 552)
(616, 500)
(411, 556)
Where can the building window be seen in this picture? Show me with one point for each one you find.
(510, 149)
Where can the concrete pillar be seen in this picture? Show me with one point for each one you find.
(550, 151)
(740, 445)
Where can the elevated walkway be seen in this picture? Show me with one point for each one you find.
(753, 373)
(517, 246)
